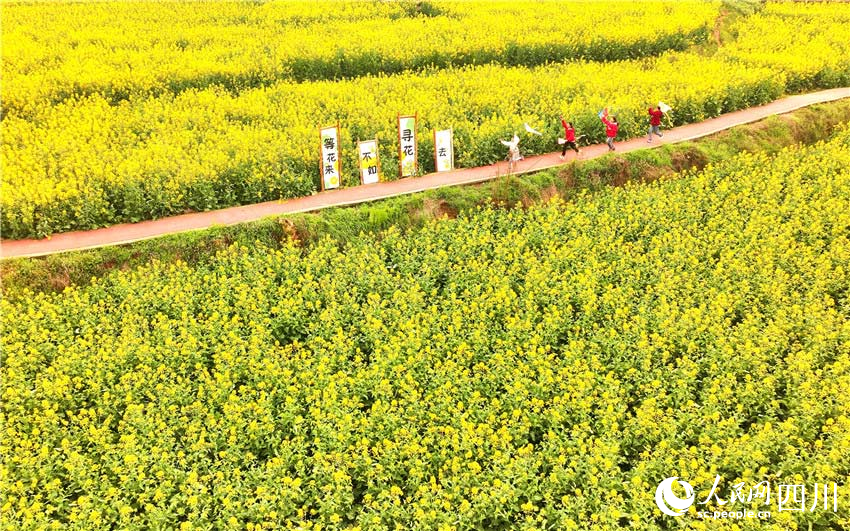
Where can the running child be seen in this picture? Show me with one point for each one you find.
(570, 136)
(611, 128)
(655, 122)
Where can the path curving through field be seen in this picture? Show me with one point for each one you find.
(131, 232)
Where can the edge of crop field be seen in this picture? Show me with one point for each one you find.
(53, 273)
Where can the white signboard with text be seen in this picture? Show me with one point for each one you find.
(443, 150)
(407, 164)
(370, 168)
(330, 163)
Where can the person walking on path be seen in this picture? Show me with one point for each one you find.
(654, 122)
(569, 138)
(611, 128)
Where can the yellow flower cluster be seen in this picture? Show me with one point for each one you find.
(524, 369)
(54, 51)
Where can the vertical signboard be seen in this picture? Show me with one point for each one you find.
(330, 161)
(407, 145)
(443, 150)
(370, 167)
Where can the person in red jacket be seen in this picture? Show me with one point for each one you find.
(570, 137)
(611, 128)
(654, 122)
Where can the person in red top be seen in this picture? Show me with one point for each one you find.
(570, 136)
(654, 122)
(611, 128)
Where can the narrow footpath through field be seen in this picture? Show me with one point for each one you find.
(130, 232)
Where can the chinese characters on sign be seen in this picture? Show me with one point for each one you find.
(407, 145)
(443, 150)
(370, 168)
(330, 161)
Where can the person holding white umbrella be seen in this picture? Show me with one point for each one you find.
(514, 155)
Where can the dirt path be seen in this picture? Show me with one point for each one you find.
(131, 232)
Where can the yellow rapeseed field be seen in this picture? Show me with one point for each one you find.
(526, 369)
(808, 42)
(523, 369)
(99, 163)
(58, 50)
(101, 126)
